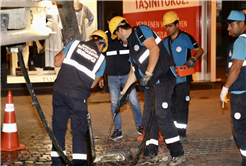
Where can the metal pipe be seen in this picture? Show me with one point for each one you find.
(91, 140)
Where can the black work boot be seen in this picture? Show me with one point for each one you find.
(152, 159)
(176, 161)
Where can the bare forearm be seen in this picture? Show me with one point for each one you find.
(234, 72)
(154, 53)
(130, 79)
(232, 77)
(153, 59)
(199, 52)
(95, 81)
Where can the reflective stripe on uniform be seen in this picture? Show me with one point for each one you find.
(179, 125)
(124, 52)
(152, 141)
(146, 53)
(172, 140)
(230, 63)
(243, 35)
(121, 52)
(243, 152)
(71, 49)
(9, 107)
(80, 67)
(55, 154)
(80, 156)
(9, 127)
(144, 56)
(99, 63)
(110, 53)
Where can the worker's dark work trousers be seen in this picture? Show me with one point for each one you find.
(238, 114)
(65, 107)
(180, 106)
(162, 119)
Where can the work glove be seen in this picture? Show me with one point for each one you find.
(144, 80)
(223, 95)
(119, 99)
(191, 62)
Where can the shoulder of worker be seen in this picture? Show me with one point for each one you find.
(65, 50)
(184, 36)
(239, 42)
(146, 31)
(240, 38)
(243, 35)
(144, 28)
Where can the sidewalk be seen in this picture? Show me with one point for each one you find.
(208, 131)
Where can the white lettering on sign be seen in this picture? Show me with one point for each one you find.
(142, 23)
(151, 24)
(162, 34)
(145, 4)
(183, 24)
(155, 24)
(136, 6)
(158, 24)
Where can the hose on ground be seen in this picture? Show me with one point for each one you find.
(117, 110)
(40, 112)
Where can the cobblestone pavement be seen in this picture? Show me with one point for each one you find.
(201, 152)
(209, 131)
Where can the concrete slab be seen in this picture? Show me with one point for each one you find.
(17, 18)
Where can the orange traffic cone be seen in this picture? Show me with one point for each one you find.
(160, 137)
(9, 139)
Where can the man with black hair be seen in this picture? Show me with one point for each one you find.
(117, 69)
(236, 79)
(150, 63)
(179, 45)
(82, 64)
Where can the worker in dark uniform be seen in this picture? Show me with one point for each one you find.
(236, 79)
(181, 44)
(150, 62)
(117, 69)
(82, 64)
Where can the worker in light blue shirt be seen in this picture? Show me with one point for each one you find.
(236, 79)
(150, 64)
(82, 64)
(179, 45)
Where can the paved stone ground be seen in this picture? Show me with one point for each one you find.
(208, 131)
(201, 152)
